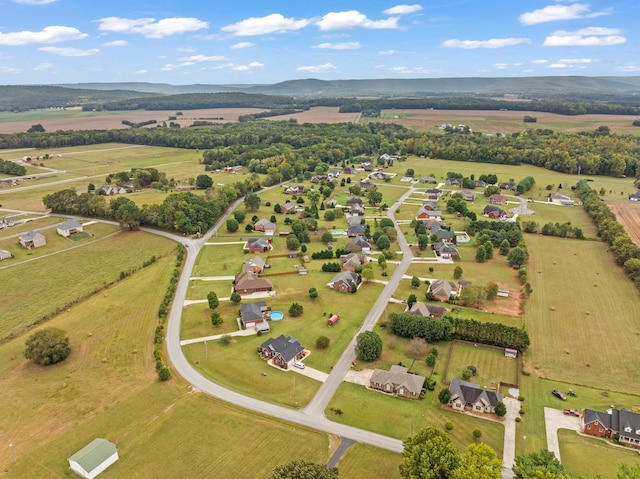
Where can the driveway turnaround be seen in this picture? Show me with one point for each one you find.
(554, 419)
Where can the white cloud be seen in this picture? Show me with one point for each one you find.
(151, 28)
(576, 60)
(628, 68)
(403, 70)
(239, 67)
(500, 66)
(402, 9)
(33, 2)
(274, 23)
(491, 43)
(386, 52)
(241, 45)
(169, 67)
(586, 37)
(43, 66)
(10, 70)
(354, 19)
(142, 72)
(52, 34)
(552, 13)
(326, 67)
(340, 46)
(201, 58)
(69, 52)
(558, 65)
(540, 61)
(186, 49)
(116, 43)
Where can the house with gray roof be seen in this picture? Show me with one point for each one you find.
(445, 249)
(69, 228)
(427, 310)
(397, 381)
(352, 261)
(428, 180)
(252, 313)
(257, 245)
(32, 239)
(266, 226)
(430, 205)
(353, 200)
(359, 243)
(255, 264)
(282, 351)
(345, 281)
(4, 254)
(468, 195)
(470, 396)
(625, 424)
(94, 458)
(356, 230)
(443, 290)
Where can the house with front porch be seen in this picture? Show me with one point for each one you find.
(397, 381)
(471, 397)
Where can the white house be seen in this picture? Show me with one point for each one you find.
(93, 458)
(69, 228)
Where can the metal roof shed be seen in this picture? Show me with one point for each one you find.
(94, 458)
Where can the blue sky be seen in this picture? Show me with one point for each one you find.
(267, 41)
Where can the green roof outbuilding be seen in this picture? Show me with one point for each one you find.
(94, 458)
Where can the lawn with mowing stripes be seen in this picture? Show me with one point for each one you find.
(362, 461)
(491, 364)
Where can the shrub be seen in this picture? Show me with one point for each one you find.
(164, 373)
(466, 374)
(296, 310)
(322, 342)
(226, 339)
(477, 433)
(448, 426)
(518, 419)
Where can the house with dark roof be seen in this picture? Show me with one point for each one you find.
(359, 243)
(282, 351)
(354, 220)
(452, 181)
(614, 422)
(345, 281)
(348, 170)
(427, 180)
(257, 245)
(430, 205)
(480, 183)
(469, 396)
(93, 458)
(69, 228)
(364, 184)
(397, 381)
(253, 313)
(445, 248)
(427, 310)
(443, 290)
(248, 282)
(356, 230)
(494, 212)
(441, 234)
(353, 200)
(508, 185)
(433, 193)
(635, 196)
(32, 239)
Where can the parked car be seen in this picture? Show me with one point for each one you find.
(570, 412)
(559, 395)
(299, 365)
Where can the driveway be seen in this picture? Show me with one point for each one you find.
(362, 377)
(509, 447)
(554, 420)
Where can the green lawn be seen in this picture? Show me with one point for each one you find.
(592, 457)
(199, 289)
(362, 461)
(491, 364)
(196, 320)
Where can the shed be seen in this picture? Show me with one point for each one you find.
(510, 353)
(503, 293)
(94, 458)
(333, 320)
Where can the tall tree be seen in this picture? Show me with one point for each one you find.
(542, 463)
(368, 346)
(251, 202)
(429, 455)
(479, 461)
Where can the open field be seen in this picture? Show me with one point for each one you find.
(491, 364)
(505, 121)
(76, 119)
(628, 215)
(319, 114)
(86, 268)
(567, 334)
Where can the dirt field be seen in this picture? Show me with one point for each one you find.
(488, 121)
(105, 120)
(511, 306)
(628, 215)
(321, 114)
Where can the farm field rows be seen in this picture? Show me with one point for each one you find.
(628, 215)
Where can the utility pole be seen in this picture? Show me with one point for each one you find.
(206, 350)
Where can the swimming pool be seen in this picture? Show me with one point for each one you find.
(276, 315)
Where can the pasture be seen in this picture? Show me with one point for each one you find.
(491, 364)
(42, 286)
(362, 461)
(602, 304)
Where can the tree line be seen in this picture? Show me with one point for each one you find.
(625, 252)
(447, 328)
(10, 168)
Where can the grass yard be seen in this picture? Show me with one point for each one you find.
(491, 364)
(199, 289)
(400, 418)
(196, 320)
(362, 461)
(589, 456)
(579, 293)
(221, 259)
(86, 269)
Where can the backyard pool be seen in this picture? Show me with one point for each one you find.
(276, 315)
(339, 233)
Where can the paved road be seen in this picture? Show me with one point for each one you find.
(319, 402)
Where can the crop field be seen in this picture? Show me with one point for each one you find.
(602, 303)
(505, 121)
(319, 114)
(76, 119)
(628, 215)
(86, 269)
(491, 364)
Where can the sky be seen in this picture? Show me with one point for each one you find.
(268, 41)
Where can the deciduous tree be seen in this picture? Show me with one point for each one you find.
(48, 346)
(429, 455)
(368, 346)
